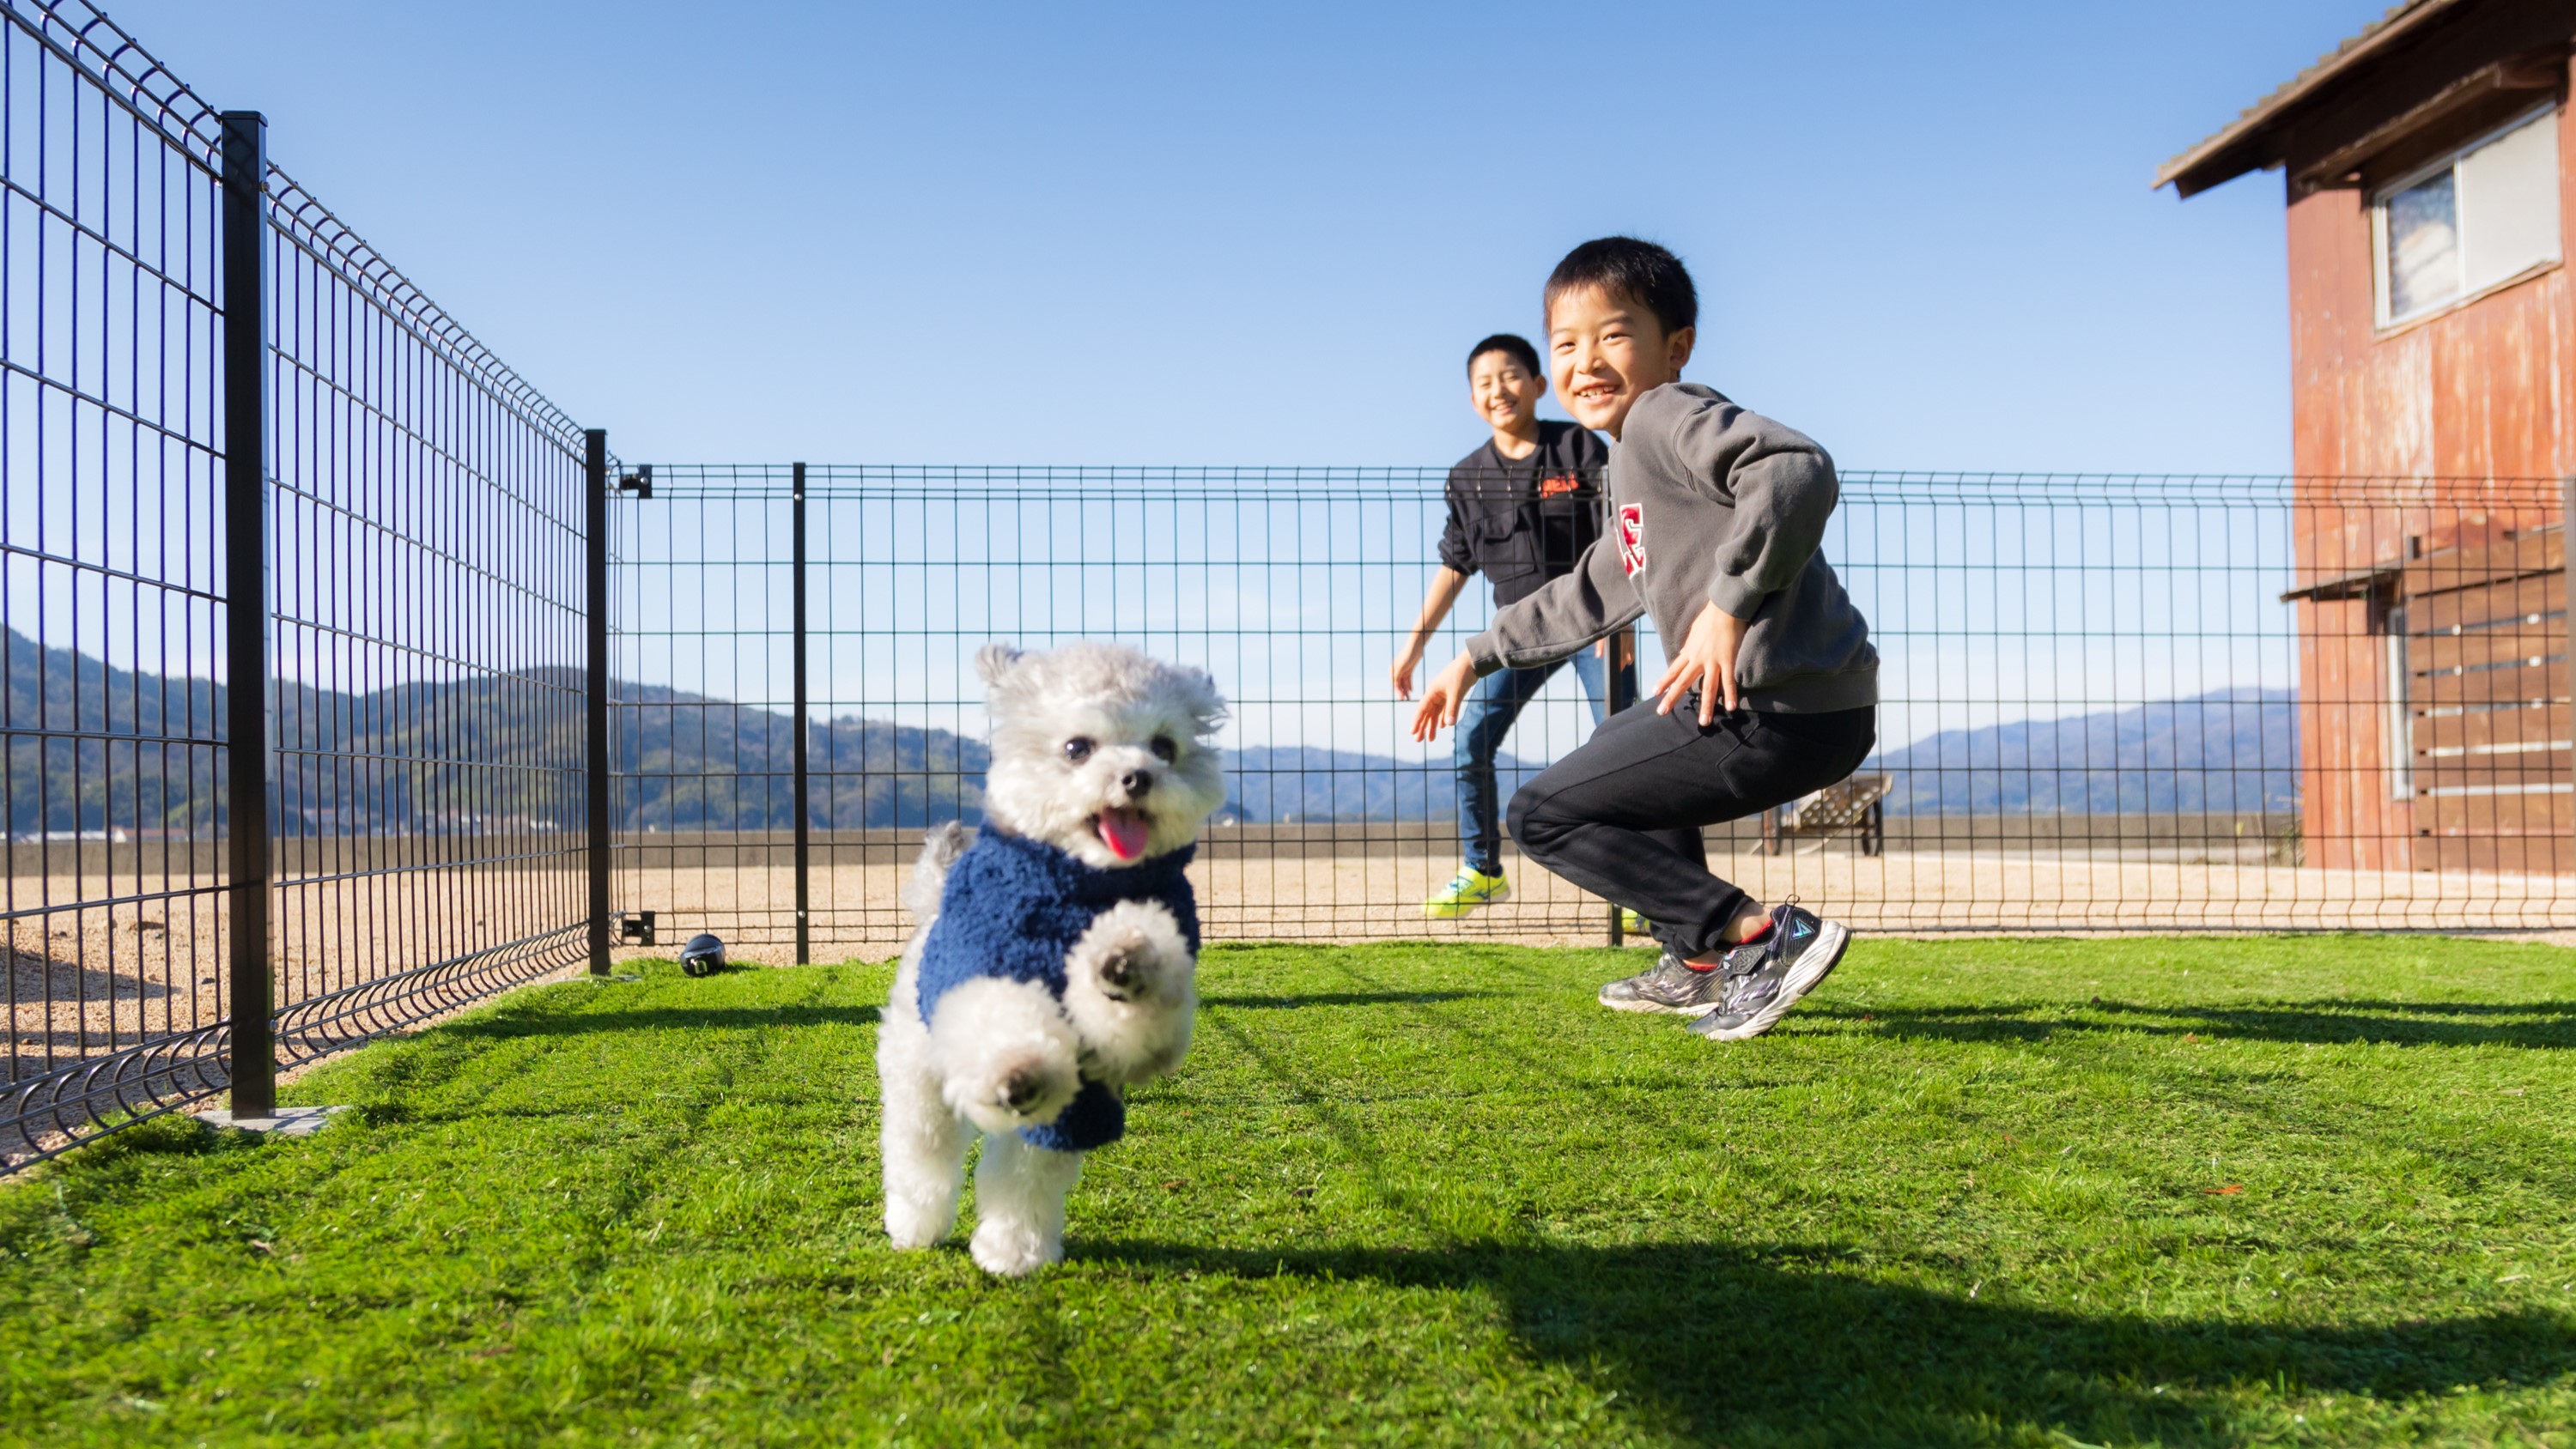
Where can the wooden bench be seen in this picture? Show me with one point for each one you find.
(1857, 805)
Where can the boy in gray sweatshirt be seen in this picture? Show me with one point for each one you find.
(1716, 515)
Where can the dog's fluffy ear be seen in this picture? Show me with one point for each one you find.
(1199, 695)
(994, 661)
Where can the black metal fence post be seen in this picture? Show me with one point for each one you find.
(248, 655)
(595, 508)
(1618, 695)
(801, 728)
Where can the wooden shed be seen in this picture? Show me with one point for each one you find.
(2433, 357)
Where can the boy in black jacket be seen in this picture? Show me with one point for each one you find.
(1717, 515)
(1522, 508)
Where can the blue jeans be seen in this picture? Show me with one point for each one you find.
(1487, 716)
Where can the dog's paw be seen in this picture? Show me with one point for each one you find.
(1004, 1055)
(1131, 989)
(1013, 1250)
(1133, 954)
(1025, 1089)
(1125, 970)
(912, 1225)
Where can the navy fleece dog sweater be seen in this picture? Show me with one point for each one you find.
(1012, 908)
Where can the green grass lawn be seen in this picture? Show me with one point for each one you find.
(2032, 1192)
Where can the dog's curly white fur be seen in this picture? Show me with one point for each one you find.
(1103, 754)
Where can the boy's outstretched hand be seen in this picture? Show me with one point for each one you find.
(1401, 671)
(1707, 660)
(1443, 697)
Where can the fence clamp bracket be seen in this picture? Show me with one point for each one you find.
(639, 482)
(635, 927)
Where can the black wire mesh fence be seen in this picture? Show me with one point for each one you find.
(110, 315)
(2109, 703)
(429, 604)
(275, 529)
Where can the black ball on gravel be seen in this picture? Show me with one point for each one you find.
(703, 956)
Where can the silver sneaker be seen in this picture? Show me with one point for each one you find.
(1668, 986)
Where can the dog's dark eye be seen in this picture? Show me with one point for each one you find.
(1077, 749)
(1164, 750)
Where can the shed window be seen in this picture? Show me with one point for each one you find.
(2480, 216)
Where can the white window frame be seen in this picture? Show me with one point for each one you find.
(2400, 719)
(2448, 161)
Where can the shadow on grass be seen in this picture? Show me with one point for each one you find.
(672, 1018)
(1343, 998)
(1721, 1345)
(2538, 1024)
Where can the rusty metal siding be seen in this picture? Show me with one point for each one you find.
(2484, 390)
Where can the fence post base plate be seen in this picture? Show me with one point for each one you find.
(288, 1121)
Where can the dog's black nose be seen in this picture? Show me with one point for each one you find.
(1137, 782)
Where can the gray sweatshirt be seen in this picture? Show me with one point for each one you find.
(1709, 504)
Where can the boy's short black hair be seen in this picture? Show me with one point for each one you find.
(1511, 343)
(1640, 271)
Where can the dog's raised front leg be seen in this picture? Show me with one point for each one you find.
(1003, 1053)
(1019, 1204)
(1131, 989)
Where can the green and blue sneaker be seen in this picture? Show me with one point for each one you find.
(1466, 890)
(1632, 924)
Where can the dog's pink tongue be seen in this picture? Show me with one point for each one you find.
(1123, 833)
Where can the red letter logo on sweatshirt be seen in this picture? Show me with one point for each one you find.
(1632, 537)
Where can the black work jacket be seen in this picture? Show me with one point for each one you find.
(1523, 521)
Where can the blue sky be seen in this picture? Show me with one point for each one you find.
(1236, 234)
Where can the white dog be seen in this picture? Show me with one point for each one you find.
(1055, 961)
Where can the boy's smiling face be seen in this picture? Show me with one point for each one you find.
(1607, 351)
(1505, 393)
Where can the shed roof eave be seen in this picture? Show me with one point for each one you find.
(2239, 148)
(2359, 583)
(2213, 173)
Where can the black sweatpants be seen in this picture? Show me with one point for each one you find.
(1602, 816)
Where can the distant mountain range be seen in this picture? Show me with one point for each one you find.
(689, 762)
(89, 779)
(134, 751)
(2234, 750)
(1283, 784)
